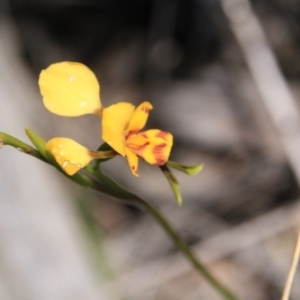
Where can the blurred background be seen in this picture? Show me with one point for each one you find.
(224, 78)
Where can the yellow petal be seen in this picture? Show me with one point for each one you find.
(70, 89)
(132, 161)
(70, 155)
(154, 146)
(115, 120)
(139, 118)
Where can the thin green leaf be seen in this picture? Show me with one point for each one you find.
(189, 170)
(40, 144)
(173, 183)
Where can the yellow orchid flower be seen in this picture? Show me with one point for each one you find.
(121, 129)
(71, 89)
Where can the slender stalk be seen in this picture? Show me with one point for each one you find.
(6, 139)
(103, 154)
(128, 198)
(103, 184)
(131, 199)
(174, 236)
(187, 252)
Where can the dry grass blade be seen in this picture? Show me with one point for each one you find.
(292, 271)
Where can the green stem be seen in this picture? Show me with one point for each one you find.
(6, 139)
(103, 184)
(188, 253)
(133, 200)
(128, 198)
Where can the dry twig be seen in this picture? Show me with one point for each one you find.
(292, 271)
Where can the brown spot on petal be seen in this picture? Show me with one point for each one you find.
(137, 149)
(157, 151)
(143, 134)
(134, 170)
(158, 148)
(162, 134)
(160, 161)
(146, 109)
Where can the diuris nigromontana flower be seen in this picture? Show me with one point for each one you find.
(121, 129)
(71, 89)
